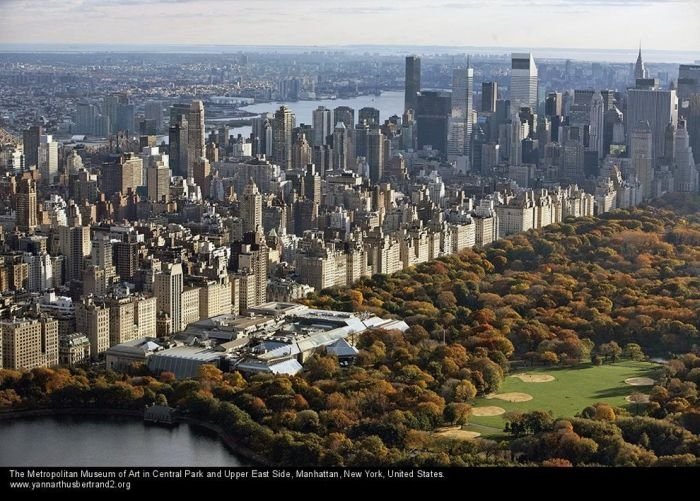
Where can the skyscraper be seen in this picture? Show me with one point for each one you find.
(74, 244)
(369, 115)
(158, 181)
(596, 125)
(30, 140)
(153, 110)
(322, 121)
(200, 173)
(196, 140)
(344, 114)
(125, 118)
(552, 105)
(121, 173)
(262, 134)
(109, 109)
(190, 119)
(48, 158)
(375, 155)
(251, 208)
(101, 250)
(168, 291)
(85, 118)
(489, 94)
(433, 114)
(523, 82)
(646, 103)
(688, 97)
(642, 160)
(686, 175)
(26, 205)
(639, 70)
(341, 147)
(178, 149)
(282, 128)
(459, 142)
(412, 86)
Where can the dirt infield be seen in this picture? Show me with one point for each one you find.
(489, 410)
(638, 398)
(511, 397)
(535, 378)
(640, 381)
(457, 434)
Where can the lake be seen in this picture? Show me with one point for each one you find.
(108, 441)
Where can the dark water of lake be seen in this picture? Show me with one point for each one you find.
(108, 441)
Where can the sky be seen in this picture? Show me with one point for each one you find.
(614, 24)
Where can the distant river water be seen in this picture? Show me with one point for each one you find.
(388, 104)
(70, 441)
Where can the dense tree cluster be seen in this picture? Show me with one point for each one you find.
(625, 285)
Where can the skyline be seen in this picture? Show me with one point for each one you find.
(328, 24)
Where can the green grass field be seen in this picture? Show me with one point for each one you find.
(572, 390)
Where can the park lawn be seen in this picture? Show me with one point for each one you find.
(573, 389)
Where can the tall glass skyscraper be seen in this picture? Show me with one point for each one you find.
(412, 83)
(523, 82)
(459, 141)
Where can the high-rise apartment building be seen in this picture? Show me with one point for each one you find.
(122, 325)
(158, 181)
(251, 208)
(249, 262)
(92, 319)
(74, 243)
(26, 205)
(523, 82)
(29, 343)
(200, 173)
(168, 289)
(145, 310)
(126, 257)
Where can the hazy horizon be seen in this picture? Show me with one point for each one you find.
(546, 24)
(612, 55)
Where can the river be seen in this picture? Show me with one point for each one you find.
(109, 441)
(388, 103)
